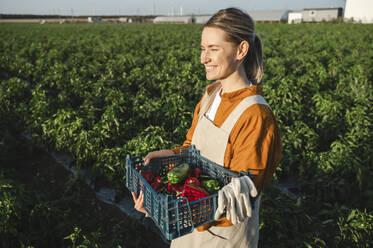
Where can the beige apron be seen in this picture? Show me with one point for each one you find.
(212, 142)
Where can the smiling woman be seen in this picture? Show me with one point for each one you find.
(235, 29)
(234, 127)
(218, 55)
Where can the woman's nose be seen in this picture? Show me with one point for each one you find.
(204, 58)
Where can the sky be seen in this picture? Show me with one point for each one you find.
(157, 7)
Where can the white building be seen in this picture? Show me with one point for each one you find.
(359, 11)
(321, 14)
(269, 15)
(123, 19)
(94, 19)
(174, 19)
(201, 19)
(295, 17)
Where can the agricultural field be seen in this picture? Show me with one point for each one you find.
(99, 92)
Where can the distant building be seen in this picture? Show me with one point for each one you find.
(94, 19)
(321, 14)
(174, 19)
(295, 17)
(201, 19)
(123, 19)
(269, 15)
(359, 11)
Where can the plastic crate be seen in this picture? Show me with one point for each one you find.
(173, 216)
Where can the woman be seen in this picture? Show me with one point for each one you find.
(232, 126)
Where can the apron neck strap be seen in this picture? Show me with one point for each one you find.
(239, 109)
(208, 99)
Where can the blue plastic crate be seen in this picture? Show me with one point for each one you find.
(173, 216)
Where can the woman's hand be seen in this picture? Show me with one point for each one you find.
(139, 203)
(157, 154)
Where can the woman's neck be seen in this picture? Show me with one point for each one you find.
(236, 81)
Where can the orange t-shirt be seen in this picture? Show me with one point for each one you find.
(254, 143)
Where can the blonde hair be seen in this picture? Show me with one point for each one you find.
(239, 26)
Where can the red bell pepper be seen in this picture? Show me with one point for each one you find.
(148, 176)
(158, 179)
(157, 186)
(192, 180)
(176, 189)
(193, 192)
(197, 172)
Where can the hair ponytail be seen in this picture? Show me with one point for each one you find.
(253, 61)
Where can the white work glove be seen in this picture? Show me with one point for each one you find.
(235, 198)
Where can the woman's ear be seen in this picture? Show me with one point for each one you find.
(242, 49)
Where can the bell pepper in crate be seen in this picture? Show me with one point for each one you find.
(178, 174)
(193, 180)
(157, 184)
(175, 189)
(193, 192)
(197, 172)
(212, 186)
(148, 176)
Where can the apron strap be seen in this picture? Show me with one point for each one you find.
(207, 100)
(239, 109)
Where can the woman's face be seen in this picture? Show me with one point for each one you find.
(218, 55)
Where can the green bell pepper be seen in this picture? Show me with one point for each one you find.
(212, 186)
(178, 174)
